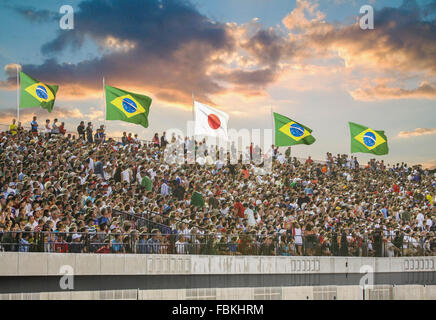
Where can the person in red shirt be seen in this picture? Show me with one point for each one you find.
(217, 190)
(62, 129)
(239, 209)
(309, 161)
(61, 246)
(246, 173)
(105, 248)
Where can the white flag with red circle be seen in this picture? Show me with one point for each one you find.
(210, 121)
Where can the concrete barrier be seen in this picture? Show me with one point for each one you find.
(34, 264)
(349, 293)
(409, 292)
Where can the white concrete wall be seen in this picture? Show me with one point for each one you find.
(280, 293)
(15, 263)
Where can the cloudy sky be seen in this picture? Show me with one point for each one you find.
(306, 59)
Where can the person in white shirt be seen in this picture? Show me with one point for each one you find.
(164, 189)
(249, 215)
(184, 230)
(47, 127)
(181, 245)
(138, 174)
(152, 173)
(298, 238)
(429, 222)
(225, 211)
(125, 174)
(420, 218)
(390, 249)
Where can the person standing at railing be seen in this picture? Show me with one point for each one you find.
(81, 130)
(102, 133)
(77, 245)
(47, 128)
(154, 243)
(142, 243)
(62, 129)
(310, 240)
(156, 140)
(9, 240)
(34, 126)
(89, 136)
(181, 245)
(267, 247)
(13, 128)
(24, 245)
(309, 161)
(105, 248)
(61, 246)
(297, 233)
(117, 245)
(55, 127)
(343, 243)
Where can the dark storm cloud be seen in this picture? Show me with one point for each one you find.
(164, 46)
(159, 26)
(268, 46)
(258, 78)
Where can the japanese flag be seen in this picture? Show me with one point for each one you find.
(210, 121)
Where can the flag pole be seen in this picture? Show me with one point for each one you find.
(273, 127)
(104, 104)
(193, 117)
(18, 97)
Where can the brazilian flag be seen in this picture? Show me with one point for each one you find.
(127, 106)
(34, 93)
(364, 139)
(289, 132)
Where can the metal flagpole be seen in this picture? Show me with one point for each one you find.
(104, 104)
(193, 116)
(273, 125)
(192, 143)
(18, 97)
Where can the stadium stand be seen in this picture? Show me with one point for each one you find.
(84, 192)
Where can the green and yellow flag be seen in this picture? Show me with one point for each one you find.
(34, 93)
(289, 132)
(127, 106)
(364, 139)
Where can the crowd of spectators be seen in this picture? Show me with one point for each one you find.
(84, 192)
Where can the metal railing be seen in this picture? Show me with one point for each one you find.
(211, 244)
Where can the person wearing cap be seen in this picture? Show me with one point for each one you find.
(76, 246)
